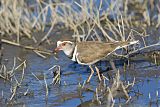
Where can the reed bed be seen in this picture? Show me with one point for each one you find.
(10, 75)
(113, 22)
(108, 91)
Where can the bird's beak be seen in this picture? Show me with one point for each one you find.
(56, 50)
(58, 47)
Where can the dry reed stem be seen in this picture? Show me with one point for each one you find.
(46, 86)
(47, 52)
(97, 22)
(112, 92)
(38, 53)
(18, 83)
(37, 78)
(69, 17)
(144, 50)
(57, 77)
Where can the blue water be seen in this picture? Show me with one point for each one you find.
(66, 94)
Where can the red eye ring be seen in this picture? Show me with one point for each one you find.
(63, 44)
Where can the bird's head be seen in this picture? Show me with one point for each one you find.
(66, 46)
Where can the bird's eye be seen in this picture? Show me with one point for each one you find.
(63, 44)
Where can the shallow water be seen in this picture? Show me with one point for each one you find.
(145, 72)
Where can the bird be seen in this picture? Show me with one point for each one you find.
(90, 52)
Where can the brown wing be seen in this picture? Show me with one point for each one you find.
(91, 52)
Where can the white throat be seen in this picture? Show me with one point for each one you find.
(68, 52)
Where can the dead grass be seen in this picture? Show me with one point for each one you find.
(9, 75)
(108, 91)
(21, 18)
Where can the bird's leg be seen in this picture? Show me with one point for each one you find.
(113, 65)
(98, 73)
(92, 72)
